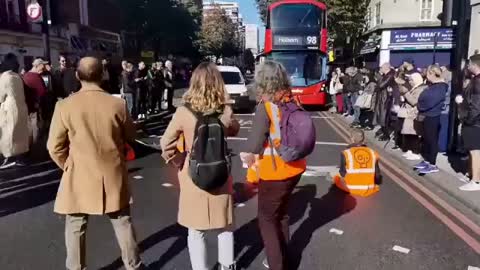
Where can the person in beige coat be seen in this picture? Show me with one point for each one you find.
(409, 112)
(201, 211)
(14, 139)
(87, 141)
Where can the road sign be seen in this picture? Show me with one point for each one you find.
(34, 12)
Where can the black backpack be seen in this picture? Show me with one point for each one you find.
(210, 161)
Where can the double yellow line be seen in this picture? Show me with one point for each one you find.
(460, 224)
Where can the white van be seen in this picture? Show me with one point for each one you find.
(236, 88)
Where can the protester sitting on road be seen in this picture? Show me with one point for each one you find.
(430, 104)
(203, 211)
(277, 177)
(14, 135)
(409, 112)
(87, 141)
(470, 117)
(359, 170)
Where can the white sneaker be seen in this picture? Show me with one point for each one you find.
(472, 186)
(414, 157)
(407, 154)
(265, 264)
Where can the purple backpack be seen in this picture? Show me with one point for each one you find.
(297, 133)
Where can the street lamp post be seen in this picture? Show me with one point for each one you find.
(46, 28)
(460, 28)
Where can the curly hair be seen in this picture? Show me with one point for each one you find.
(271, 78)
(207, 92)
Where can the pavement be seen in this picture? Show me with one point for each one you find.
(402, 227)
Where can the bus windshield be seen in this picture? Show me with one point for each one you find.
(304, 68)
(296, 15)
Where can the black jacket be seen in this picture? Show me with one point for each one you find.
(352, 84)
(470, 108)
(128, 82)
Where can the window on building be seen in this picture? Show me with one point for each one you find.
(378, 7)
(13, 11)
(426, 10)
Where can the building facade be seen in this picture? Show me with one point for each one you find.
(475, 24)
(406, 29)
(252, 38)
(78, 28)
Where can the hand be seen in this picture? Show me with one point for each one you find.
(247, 158)
(459, 99)
(360, 92)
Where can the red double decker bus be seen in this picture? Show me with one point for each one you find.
(296, 36)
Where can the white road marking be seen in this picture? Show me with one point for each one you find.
(244, 114)
(336, 231)
(240, 205)
(316, 171)
(331, 143)
(473, 268)
(167, 185)
(245, 127)
(154, 146)
(138, 177)
(154, 136)
(237, 139)
(321, 117)
(245, 123)
(401, 249)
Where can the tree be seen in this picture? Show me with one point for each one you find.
(218, 36)
(249, 60)
(346, 18)
(166, 26)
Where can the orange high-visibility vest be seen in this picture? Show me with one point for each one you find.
(271, 165)
(360, 165)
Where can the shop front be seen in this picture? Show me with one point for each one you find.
(424, 46)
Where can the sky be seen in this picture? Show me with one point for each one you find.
(248, 9)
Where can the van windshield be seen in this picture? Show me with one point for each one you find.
(231, 77)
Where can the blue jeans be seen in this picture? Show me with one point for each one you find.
(356, 110)
(347, 104)
(130, 102)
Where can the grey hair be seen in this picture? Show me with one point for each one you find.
(271, 77)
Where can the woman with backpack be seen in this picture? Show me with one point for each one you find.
(206, 186)
(278, 177)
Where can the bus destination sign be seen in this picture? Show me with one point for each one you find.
(296, 41)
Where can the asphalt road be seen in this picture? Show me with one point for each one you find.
(330, 230)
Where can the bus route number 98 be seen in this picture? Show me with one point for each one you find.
(312, 40)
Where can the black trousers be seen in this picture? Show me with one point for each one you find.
(273, 219)
(169, 98)
(366, 118)
(431, 130)
(141, 101)
(411, 143)
(155, 99)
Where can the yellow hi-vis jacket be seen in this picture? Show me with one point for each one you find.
(271, 165)
(360, 166)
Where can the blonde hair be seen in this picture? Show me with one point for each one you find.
(207, 92)
(272, 78)
(436, 71)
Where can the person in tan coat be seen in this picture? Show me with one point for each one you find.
(14, 139)
(201, 211)
(87, 141)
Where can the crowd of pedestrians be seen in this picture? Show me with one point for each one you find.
(410, 107)
(146, 90)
